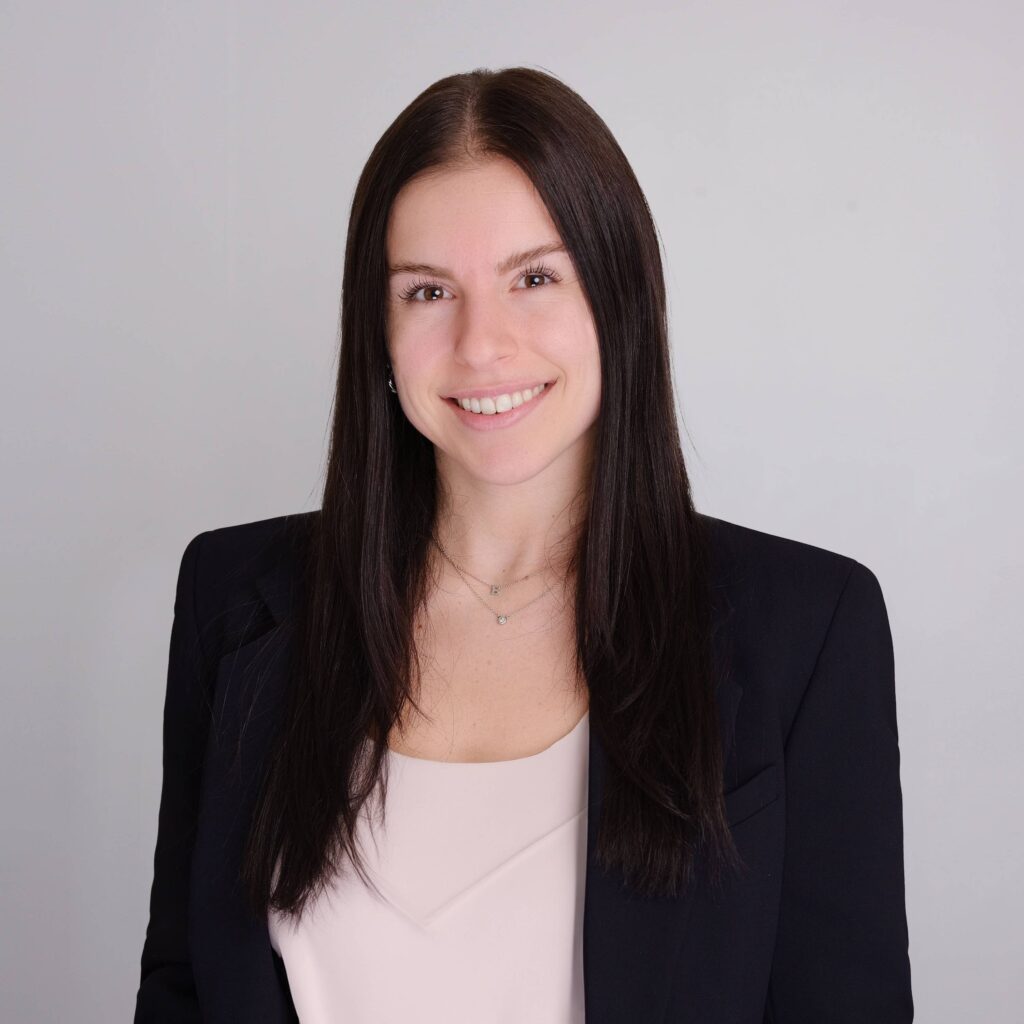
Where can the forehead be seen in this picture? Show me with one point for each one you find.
(465, 212)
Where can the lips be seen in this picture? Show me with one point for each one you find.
(499, 420)
(492, 391)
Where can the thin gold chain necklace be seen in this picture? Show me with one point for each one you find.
(496, 588)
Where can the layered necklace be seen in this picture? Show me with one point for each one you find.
(495, 588)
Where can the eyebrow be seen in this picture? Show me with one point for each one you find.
(503, 267)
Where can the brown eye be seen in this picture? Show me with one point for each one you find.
(418, 286)
(539, 272)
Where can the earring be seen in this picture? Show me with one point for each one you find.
(391, 383)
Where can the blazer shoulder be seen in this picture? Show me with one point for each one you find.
(251, 547)
(242, 576)
(777, 599)
(783, 568)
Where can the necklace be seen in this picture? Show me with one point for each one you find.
(496, 588)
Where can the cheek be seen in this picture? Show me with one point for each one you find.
(414, 348)
(565, 325)
(578, 341)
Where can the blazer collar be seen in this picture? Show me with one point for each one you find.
(630, 945)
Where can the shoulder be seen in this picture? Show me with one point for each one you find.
(241, 576)
(250, 547)
(777, 600)
(766, 568)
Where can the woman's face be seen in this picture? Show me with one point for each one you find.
(473, 313)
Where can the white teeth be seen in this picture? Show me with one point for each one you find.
(500, 403)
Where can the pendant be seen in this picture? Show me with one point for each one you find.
(502, 619)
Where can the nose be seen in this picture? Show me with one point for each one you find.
(485, 330)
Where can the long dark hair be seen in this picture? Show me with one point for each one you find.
(641, 560)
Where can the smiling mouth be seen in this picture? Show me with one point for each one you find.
(498, 405)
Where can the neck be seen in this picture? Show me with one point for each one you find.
(501, 532)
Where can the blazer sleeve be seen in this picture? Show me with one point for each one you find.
(841, 951)
(167, 989)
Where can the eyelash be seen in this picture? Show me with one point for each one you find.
(418, 286)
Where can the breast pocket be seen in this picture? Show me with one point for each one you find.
(751, 796)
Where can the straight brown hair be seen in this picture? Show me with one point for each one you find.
(641, 567)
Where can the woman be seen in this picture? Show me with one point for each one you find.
(507, 730)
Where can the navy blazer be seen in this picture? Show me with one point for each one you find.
(814, 931)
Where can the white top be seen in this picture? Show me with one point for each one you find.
(482, 867)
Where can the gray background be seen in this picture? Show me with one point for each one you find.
(837, 187)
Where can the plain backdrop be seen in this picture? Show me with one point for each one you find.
(837, 188)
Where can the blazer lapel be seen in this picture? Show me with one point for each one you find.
(629, 944)
(238, 975)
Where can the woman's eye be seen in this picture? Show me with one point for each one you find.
(436, 291)
(410, 293)
(535, 272)
(532, 276)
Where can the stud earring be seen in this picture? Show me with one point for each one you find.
(391, 383)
